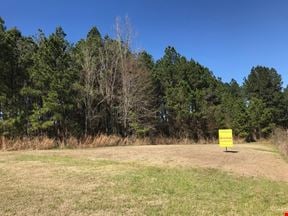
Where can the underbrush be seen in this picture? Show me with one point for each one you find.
(280, 139)
(44, 143)
(40, 143)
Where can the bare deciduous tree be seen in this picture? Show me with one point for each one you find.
(115, 87)
(135, 104)
(89, 63)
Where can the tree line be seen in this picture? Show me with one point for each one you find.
(51, 87)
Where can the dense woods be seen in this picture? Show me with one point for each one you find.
(100, 85)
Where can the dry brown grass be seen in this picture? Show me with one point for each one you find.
(43, 143)
(280, 138)
(253, 159)
(36, 143)
(113, 140)
(143, 180)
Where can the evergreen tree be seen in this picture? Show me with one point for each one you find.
(187, 93)
(100, 85)
(263, 90)
(15, 59)
(52, 77)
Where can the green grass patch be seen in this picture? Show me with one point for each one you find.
(204, 192)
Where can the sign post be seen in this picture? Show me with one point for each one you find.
(225, 138)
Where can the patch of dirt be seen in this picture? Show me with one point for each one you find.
(246, 159)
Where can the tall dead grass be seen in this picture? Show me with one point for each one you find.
(36, 143)
(43, 143)
(280, 138)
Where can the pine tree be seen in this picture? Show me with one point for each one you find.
(53, 77)
(14, 62)
(263, 91)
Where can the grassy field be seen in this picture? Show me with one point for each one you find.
(51, 184)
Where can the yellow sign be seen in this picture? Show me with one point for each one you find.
(225, 138)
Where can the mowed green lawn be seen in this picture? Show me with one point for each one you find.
(49, 184)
